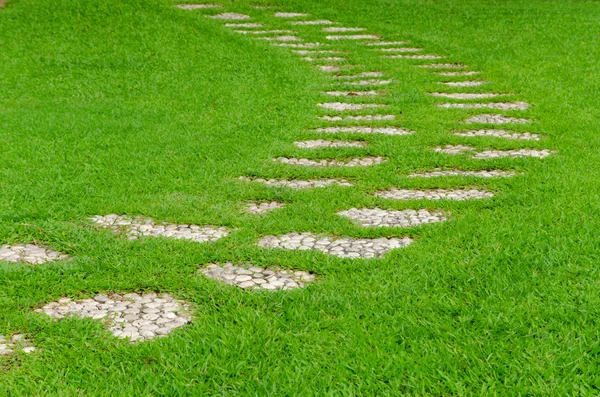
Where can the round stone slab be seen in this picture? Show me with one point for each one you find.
(342, 29)
(454, 149)
(344, 247)
(494, 154)
(434, 194)
(315, 22)
(30, 253)
(353, 37)
(443, 66)
(253, 277)
(351, 93)
(375, 217)
(261, 208)
(135, 316)
(15, 343)
(299, 184)
(289, 15)
(424, 56)
(402, 49)
(146, 227)
(387, 43)
(457, 73)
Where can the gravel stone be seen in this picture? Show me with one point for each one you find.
(479, 174)
(340, 106)
(289, 15)
(30, 253)
(366, 130)
(299, 184)
(137, 227)
(230, 16)
(376, 217)
(314, 22)
(351, 93)
(500, 134)
(197, 6)
(342, 29)
(261, 208)
(434, 194)
(493, 105)
(458, 95)
(320, 143)
(492, 154)
(345, 247)
(374, 117)
(124, 325)
(354, 162)
(353, 37)
(494, 119)
(262, 278)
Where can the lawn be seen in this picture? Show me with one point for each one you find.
(142, 108)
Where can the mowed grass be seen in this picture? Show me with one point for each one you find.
(136, 107)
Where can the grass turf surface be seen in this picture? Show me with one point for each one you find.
(141, 108)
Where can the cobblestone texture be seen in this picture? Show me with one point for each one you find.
(374, 117)
(355, 162)
(298, 184)
(454, 149)
(375, 217)
(135, 316)
(320, 143)
(262, 208)
(494, 105)
(434, 194)
(30, 253)
(352, 37)
(344, 247)
(479, 174)
(340, 106)
(457, 95)
(230, 16)
(494, 119)
(15, 343)
(145, 227)
(500, 134)
(254, 277)
(366, 130)
(197, 6)
(494, 154)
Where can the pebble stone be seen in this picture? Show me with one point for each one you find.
(289, 14)
(197, 6)
(340, 106)
(402, 49)
(493, 105)
(261, 208)
(342, 29)
(325, 59)
(344, 247)
(329, 68)
(464, 83)
(369, 82)
(360, 75)
(280, 38)
(500, 134)
(296, 45)
(254, 277)
(299, 184)
(471, 73)
(375, 217)
(355, 162)
(315, 22)
(310, 52)
(479, 174)
(424, 56)
(443, 66)
(351, 93)
(366, 130)
(453, 149)
(15, 343)
(280, 31)
(30, 253)
(434, 194)
(494, 119)
(140, 226)
(386, 43)
(244, 25)
(370, 117)
(494, 154)
(230, 16)
(458, 95)
(352, 37)
(321, 143)
(136, 316)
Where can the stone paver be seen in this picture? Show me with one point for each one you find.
(375, 217)
(470, 73)
(369, 82)
(443, 66)
(315, 52)
(449, 173)
(386, 43)
(262, 208)
(463, 83)
(500, 134)
(297, 183)
(493, 154)
(30, 253)
(352, 37)
(244, 25)
(402, 49)
(454, 149)
(15, 343)
(355, 162)
(434, 194)
(351, 93)
(146, 227)
(197, 6)
(460, 95)
(343, 29)
(495, 119)
(373, 117)
(493, 105)
(136, 316)
(344, 247)
(230, 16)
(289, 15)
(280, 38)
(366, 130)
(329, 68)
(424, 56)
(254, 277)
(315, 22)
(340, 106)
(321, 143)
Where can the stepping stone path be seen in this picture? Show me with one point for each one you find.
(341, 107)
(253, 277)
(434, 194)
(146, 227)
(369, 82)
(443, 66)
(261, 208)
(197, 6)
(355, 162)
(135, 316)
(352, 37)
(494, 105)
(345, 247)
(351, 93)
(15, 343)
(289, 15)
(465, 95)
(493, 154)
(500, 134)
(366, 130)
(341, 29)
(30, 253)
(374, 117)
(360, 75)
(404, 49)
(494, 119)
(299, 184)
(479, 174)
(315, 22)
(230, 16)
(424, 56)
(320, 143)
(457, 73)
(376, 217)
(386, 43)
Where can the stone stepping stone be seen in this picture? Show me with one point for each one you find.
(375, 217)
(478, 174)
(262, 208)
(471, 73)
(321, 143)
(30, 253)
(315, 22)
(351, 93)
(443, 66)
(342, 29)
(280, 38)
(458, 95)
(329, 68)
(289, 15)
(369, 82)
(230, 16)
(493, 154)
(326, 59)
(387, 43)
(354, 162)
(464, 83)
(403, 49)
(254, 277)
(500, 134)
(15, 343)
(244, 25)
(138, 317)
(339, 106)
(454, 149)
(315, 52)
(359, 76)
(424, 56)
(352, 37)
(198, 6)
(263, 31)
(366, 130)
(136, 227)
(493, 105)
(344, 247)
(495, 119)
(298, 184)
(374, 117)
(434, 194)
(291, 45)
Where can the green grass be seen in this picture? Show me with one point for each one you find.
(137, 107)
